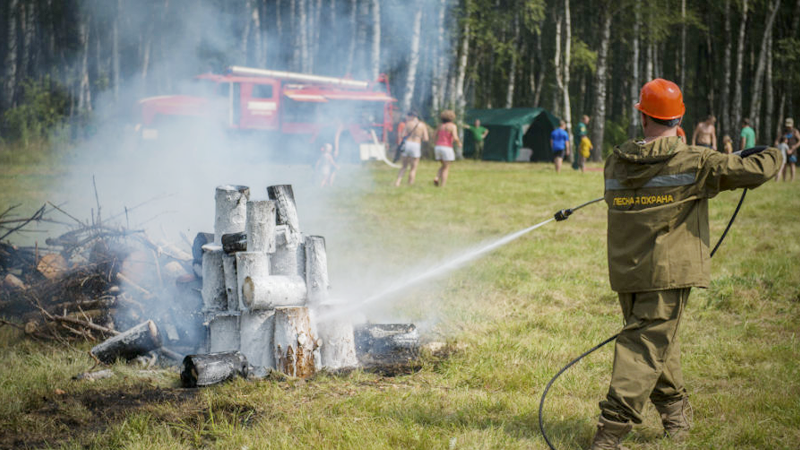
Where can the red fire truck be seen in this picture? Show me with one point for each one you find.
(293, 108)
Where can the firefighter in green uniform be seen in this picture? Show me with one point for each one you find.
(657, 192)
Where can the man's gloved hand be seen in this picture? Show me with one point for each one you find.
(751, 151)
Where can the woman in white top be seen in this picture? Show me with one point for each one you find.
(414, 133)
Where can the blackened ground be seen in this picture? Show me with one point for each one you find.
(58, 419)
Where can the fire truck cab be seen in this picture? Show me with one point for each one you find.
(300, 108)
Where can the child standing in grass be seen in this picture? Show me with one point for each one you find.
(585, 150)
(727, 144)
(326, 166)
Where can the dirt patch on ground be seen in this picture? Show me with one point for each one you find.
(62, 418)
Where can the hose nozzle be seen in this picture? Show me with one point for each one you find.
(563, 215)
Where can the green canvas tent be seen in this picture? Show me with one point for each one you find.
(511, 129)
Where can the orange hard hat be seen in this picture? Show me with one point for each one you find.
(661, 99)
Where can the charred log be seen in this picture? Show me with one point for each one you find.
(385, 344)
(129, 344)
(213, 368)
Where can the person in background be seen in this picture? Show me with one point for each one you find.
(446, 135)
(657, 193)
(791, 140)
(479, 134)
(748, 135)
(559, 144)
(705, 133)
(326, 166)
(414, 132)
(727, 144)
(580, 131)
(585, 149)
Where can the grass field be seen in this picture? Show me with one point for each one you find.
(512, 319)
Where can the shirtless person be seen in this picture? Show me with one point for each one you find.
(705, 134)
(414, 132)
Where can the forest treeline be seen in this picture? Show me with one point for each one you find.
(69, 63)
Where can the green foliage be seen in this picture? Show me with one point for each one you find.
(581, 56)
(787, 55)
(41, 112)
(616, 132)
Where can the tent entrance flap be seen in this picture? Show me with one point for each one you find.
(511, 129)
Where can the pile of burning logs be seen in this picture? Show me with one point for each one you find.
(250, 299)
(93, 281)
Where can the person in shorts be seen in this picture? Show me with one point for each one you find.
(790, 137)
(415, 132)
(559, 143)
(446, 136)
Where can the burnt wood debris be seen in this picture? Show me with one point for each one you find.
(248, 299)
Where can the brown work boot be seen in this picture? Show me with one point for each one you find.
(676, 418)
(609, 434)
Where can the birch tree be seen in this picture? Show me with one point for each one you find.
(413, 59)
(375, 58)
(727, 127)
(10, 63)
(599, 113)
(737, 84)
(755, 103)
(459, 101)
(635, 82)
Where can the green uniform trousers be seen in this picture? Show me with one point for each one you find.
(647, 356)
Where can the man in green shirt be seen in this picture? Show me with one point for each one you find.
(748, 135)
(478, 134)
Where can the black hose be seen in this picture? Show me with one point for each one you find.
(588, 352)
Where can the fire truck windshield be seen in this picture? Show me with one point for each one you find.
(201, 87)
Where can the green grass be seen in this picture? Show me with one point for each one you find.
(513, 318)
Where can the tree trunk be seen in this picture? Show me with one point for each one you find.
(376, 40)
(115, 76)
(246, 32)
(635, 82)
(567, 50)
(737, 84)
(683, 45)
(10, 72)
(302, 23)
(599, 114)
(537, 93)
(769, 93)
(460, 101)
(351, 52)
(316, 36)
(557, 65)
(84, 90)
(727, 127)
(436, 82)
(755, 103)
(413, 60)
(512, 71)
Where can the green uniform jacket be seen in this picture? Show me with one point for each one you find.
(657, 195)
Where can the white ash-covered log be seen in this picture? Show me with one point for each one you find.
(213, 368)
(223, 331)
(289, 257)
(286, 209)
(270, 292)
(385, 344)
(260, 226)
(257, 331)
(316, 269)
(231, 206)
(231, 285)
(294, 343)
(250, 264)
(129, 344)
(214, 296)
(337, 349)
